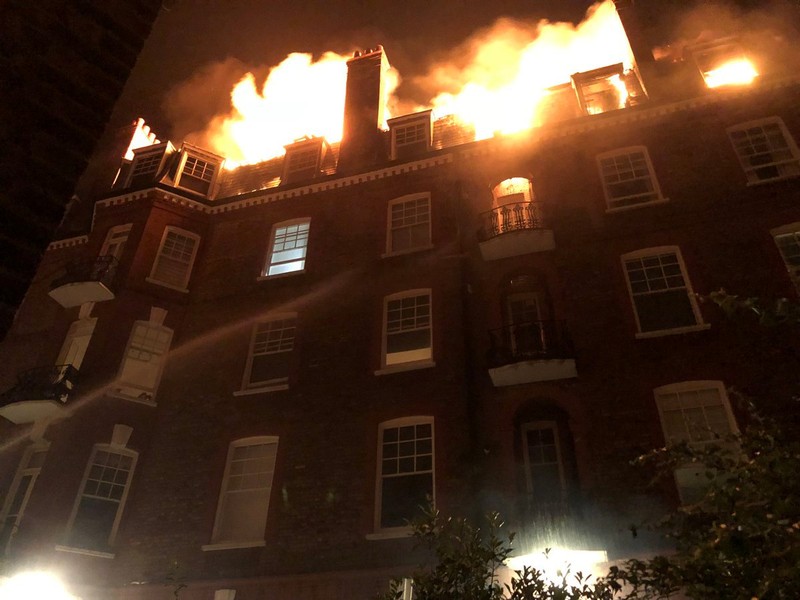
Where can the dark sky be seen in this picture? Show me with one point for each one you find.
(256, 34)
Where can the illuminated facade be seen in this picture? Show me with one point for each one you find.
(254, 376)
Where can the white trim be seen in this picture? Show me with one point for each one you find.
(411, 364)
(126, 228)
(189, 150)
(423, 118)
(163, 148)
(68, 242)
(278, 387)
(749, 170)
(120, 505)
(23, 469)
(627, 152)
(788, 229)
(268, 264)
(189, 266)
(279, 383)
(390, 230)
(655, 251)
(693, 386)
(85, 552)
(120, 383)
(228, 544)
(402, 531)
(535, 426)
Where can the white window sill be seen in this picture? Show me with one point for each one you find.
(617, 209)
(677, 331)
(391, 534)
(84, 551)
(137, 400)
(280, 275)
(410, 366)
(278, 387)
(233, 545)
(751, 182)
(408, 251)
(182, 290)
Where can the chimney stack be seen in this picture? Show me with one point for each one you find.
(365, 98)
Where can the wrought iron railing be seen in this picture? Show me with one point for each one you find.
(102, 269)
(42, 383)
(516, 216)
(530, 340)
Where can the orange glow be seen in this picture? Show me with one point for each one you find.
(735, 72)
(500, 90)
(142, 136)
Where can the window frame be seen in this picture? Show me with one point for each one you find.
(23, 469)
(184, 287)
(627, 152)
(112, 449)
(403, 530)
(699, 324)
(683, 473)
(216, 544)
(151, 324)
(793, 270)
(164, 149)
(268, 262)
(126, 229)
(407, 199)
(210, 160)
(421, 363)
(271, 385)
(312, 148)
(539, 425)
(791, 146)
(421, 120)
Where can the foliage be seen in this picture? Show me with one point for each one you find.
(770, 313)
(469, 562)
(742, 539)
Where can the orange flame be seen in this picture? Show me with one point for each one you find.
(736, 72)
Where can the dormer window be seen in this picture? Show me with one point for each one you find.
(147, 163)
(723, 62)
(411, 134)
(198, 169)
(601, 90)
(303, 159)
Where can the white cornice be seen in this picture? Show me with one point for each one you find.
(68, 242)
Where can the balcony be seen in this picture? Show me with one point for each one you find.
(85, 281)
(531, 352)
(39, 393)
(514, 229)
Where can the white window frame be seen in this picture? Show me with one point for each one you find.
(119, 247)
(612, 202)
(147, 394)
(391, 366)
(790, 164)
(217, 544)
(182, 286)
(272, 385)
(269, 262)
(213, 163)
(164, 149)
(390, 230)
(535, 426)
(421, 120)
(690, 477)
(302, 157)
(656, 251)
(784, 230)
(112, 449)
(24, 469)
(401, 531)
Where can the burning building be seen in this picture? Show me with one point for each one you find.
(244, 381)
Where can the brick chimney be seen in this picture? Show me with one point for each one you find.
(365, 98)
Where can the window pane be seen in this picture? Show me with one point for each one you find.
(289, 245)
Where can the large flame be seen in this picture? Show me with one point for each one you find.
(500, 90)
(497, 89)
(736, 72)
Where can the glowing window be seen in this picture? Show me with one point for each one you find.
(696, 413)
(245, 492)
(628, 178)
(409, 223)
(270, 353)
(723, 62)
(601, 90)
(288, 247)
(405, 476)
(407, 322)
(173, 264)
(19, 493)
(765, 149)
(99, 507)
(660, 291)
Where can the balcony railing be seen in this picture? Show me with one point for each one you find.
(36, 391)
(85, 281)
(102, 269)
(518, 216)
(533, 340)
